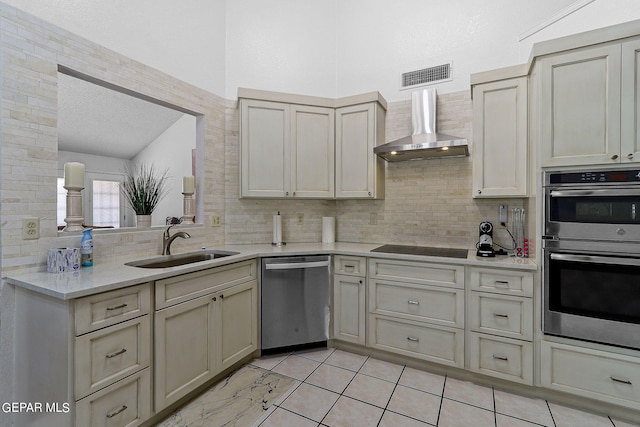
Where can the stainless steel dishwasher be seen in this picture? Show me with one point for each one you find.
(295, 302)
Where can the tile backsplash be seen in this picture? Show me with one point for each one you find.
(427, 202)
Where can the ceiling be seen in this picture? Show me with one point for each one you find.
(96, 120)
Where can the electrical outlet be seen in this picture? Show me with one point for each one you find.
(300, 219)
(215, 221)
(373, 218)
(30, 228)
(503, 213)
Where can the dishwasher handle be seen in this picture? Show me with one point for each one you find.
(296, 265)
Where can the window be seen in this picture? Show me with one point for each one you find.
(106, 203)
(62, 203)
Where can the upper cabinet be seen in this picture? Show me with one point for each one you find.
(500, 138)
(295, 146)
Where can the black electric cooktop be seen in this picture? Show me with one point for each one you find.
(422, 250)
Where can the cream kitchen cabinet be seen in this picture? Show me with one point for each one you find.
(287, 150)
(359, 172)
(349, 303)
(417, 309)
(92, 353)
(500, 129)
(500, 323)
(580, 107)
(218, 325)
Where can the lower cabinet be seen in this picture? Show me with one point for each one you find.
(197, 339)
(609, 377)
(349, 308)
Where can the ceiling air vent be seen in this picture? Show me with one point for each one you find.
(431, 75)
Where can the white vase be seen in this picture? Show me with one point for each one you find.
(143, 221)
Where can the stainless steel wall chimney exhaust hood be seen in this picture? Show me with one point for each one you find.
(425, 143)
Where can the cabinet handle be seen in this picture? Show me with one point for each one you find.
(630, 156)
(117, 353)
(286, 194)
(502, 283)
(360, 281)
(221, 296)
(116, 307)
(113, 414)
(369, 193)
(614, 157)
(413, 339)
(413, 302)
(479, 191)
(215, 299)
(618, 380)
(497, 357)
(505, 316)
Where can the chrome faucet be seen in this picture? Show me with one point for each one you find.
(167, 239)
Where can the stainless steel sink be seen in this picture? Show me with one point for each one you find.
(181, 259)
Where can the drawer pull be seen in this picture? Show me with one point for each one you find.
(412, 302)
(504, 316)
(502, 283)
(117, 353)
(349, 267)
(413, 339)
(618, 380)
(117, 307)
(113, 414)
(504, 358)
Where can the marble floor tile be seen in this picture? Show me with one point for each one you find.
(507, 421)
(269, 362)
(331, 377)
(525, 408)
(317, 354)
(296, 367)
(618, 423)
(283, 418)
(468, 392)
(568, 417)
(381, 369)
(370, 390)
(457, 414)
(421, 380)
(346, 360)
(348, 412)
(391, 419)
(310, 401)
(415, 404)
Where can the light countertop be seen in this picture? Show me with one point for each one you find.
(114, 275)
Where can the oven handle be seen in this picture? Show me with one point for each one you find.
(595, 259)
(596, 193)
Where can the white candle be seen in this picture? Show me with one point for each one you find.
(74, 175)
(188, 184)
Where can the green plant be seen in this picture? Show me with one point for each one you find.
(144, 187)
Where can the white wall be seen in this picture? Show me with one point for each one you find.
(172, 150)
(182, 38)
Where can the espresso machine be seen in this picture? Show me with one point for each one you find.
(485, 241)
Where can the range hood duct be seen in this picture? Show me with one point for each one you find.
(425, 143)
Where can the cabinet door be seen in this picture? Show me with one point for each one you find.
(630, 131)
(355, 160)
(349, 309)
(265, 145)
(500, 139)
(312, 152)
(184, 349)
(236, 323)
(580, 107)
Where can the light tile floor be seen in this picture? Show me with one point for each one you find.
(336, 388)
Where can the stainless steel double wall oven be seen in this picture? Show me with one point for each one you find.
(591, 264)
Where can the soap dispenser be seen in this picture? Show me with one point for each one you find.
(86, 248)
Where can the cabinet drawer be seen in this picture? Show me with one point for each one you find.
(108, 308)
(108, 355)
(434, 304)
(439, 344)
(501, 357)
(350, 265)
(125, 403)
(178, 289)
(591, 373)
(417, 272)
(508, 282)
(501, 315)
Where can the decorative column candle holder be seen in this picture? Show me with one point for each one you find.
(74, 183)
(189, 209)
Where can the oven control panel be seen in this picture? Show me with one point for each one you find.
(594, 177)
